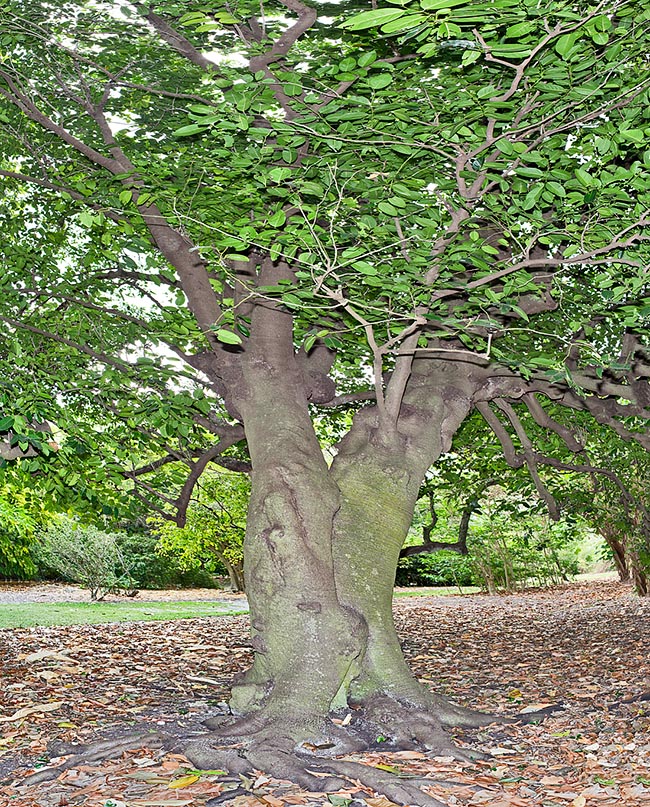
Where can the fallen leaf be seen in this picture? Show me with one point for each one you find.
(31, 710)
(160, 803)
(54, 655)
(184, 781)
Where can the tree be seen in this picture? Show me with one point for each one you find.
(497, 523)
(214, 528)
(603, 486)
(450, 216)
(16, 534)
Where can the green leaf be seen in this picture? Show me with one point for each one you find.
(228, 337)
(380, 80)
(530, 172)
(437, 5)
(565, 43)
(279, 174)
(277, 219)
(291, 299)
(367, 58)
(532, 196)
(190, 129)
(86, 219)
(364, 267)
(403, 23)
(339, 801)
(584, 177)
(556, 189)
(388, 209)
(504, 146)
(372, 19)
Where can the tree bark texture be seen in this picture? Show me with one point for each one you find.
(321, 549)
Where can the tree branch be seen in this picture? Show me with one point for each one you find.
(529, 457)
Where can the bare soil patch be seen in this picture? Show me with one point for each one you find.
(585, 646)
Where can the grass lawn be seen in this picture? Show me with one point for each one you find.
(438, 591)
(27, 615)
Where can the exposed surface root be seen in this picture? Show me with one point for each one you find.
(103, 749)
(452, 715)
(398, 790)
(305, 751)
(405, 726)
(538, 715)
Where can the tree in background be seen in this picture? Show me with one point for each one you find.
(214, 528)
(24, 506)
(219, 223)
(603, 486)
(16, 535)
(475, 531)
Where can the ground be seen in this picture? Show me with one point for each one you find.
(585, 646)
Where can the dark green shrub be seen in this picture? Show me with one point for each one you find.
(148, 568)
(435, 569)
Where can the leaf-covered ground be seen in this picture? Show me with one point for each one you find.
(587, 646)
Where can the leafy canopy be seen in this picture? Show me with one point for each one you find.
(448, 176)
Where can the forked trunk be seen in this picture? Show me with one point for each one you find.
(379, 477)
(322, 548)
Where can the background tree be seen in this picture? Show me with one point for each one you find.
(263, 206)
(480, 531)
(603, 486)
(214, 529)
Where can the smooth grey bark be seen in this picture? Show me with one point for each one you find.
(379, 477)
(305, 641)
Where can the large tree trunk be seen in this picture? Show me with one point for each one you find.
(379, 476)
(305, 641)
(320, 578)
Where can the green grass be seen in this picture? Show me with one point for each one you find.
(437, 591)
(27, 615)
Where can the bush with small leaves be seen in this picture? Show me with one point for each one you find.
(83, 554)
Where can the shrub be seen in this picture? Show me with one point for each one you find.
(436, 569)
(83, 554)
(149, 568)
(16, 536)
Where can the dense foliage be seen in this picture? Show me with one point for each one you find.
(213, 536)
(509, 544)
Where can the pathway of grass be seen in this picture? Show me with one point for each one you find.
(437, 591)
(27, 615)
